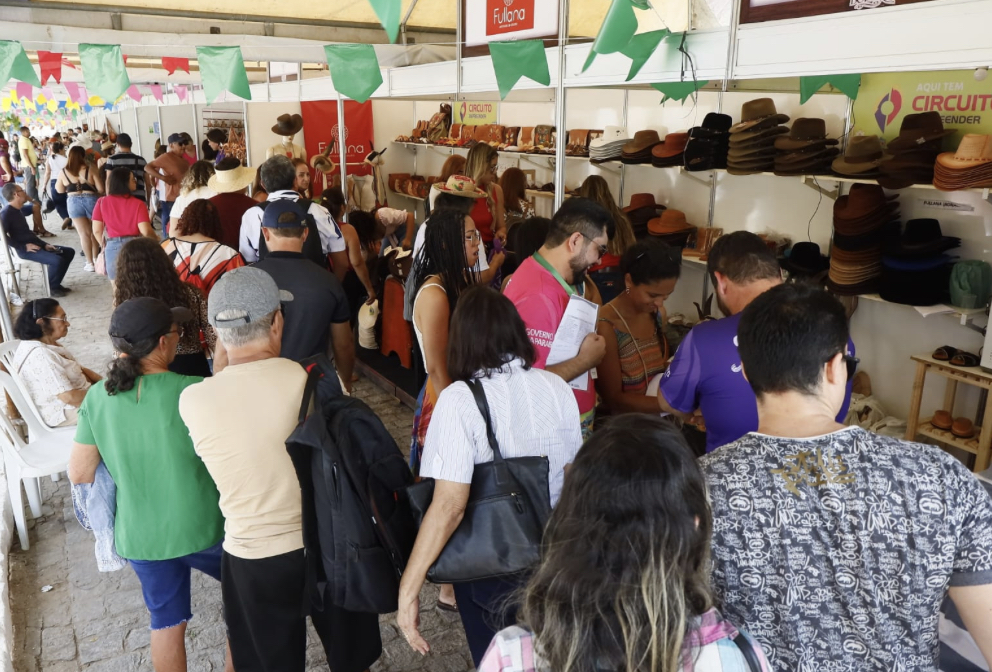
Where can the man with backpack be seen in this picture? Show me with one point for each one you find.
(278, 177)
(239, 421)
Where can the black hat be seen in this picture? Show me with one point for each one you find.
(922, 237)
(805, 259)
(139, 319)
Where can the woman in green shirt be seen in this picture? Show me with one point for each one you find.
(168, 519)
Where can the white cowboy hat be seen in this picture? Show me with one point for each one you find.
(231, 181)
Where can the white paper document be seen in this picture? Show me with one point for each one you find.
(578, 322)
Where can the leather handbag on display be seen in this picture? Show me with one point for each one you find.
(495, 137)
(508, 505)
(510, 135)
(411, 189)
(395, 179)
(526, 143)
(456, 131)
(544, 136)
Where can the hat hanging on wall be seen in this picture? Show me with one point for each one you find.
(288, 124)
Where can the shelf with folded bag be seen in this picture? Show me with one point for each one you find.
(960, 314)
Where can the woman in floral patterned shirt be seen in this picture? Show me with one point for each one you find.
(624, 580)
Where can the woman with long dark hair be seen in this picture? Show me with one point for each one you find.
(361, 242)
(633, 326)
(212, 147)
(83, 186)
(144, 269)
(624, 579)
(534, 413)
(513, 181)
(119, 217)
(194, 249)
(606, 273)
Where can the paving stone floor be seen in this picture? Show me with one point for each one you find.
(69, 617)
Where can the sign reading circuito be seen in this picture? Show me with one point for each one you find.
(476, 112)
(486, 21)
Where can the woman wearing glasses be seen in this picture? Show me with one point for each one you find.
(55, 381)
(633, 326)
(144, 269)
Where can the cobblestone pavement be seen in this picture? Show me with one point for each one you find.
(67, 616)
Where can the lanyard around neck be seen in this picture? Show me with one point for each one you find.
(569, 289)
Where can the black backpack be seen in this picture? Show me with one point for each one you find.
(358, 535)
(312, 247)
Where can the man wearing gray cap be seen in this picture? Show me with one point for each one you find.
(171, 167)
(239, 421)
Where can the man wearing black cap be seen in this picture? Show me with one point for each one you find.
(124, 158)
(171, 167)
(317, 322)
(168, 519)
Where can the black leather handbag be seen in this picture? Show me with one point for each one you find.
(508, 504)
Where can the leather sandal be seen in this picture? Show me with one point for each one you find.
(962, 358)
(944, 353)
(963, 428)
(942, 420)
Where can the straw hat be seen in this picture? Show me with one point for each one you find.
(324, 164)
(459, 185)
(231, 181)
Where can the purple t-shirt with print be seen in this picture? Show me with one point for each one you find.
(706, 374)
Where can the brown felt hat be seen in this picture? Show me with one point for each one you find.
(760, 112)
(863, 155)
(805, 132)
(287, 124)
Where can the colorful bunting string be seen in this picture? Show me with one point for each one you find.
(181, 91)
(679, 90)
(354, 70)
(223, 69)
(172, 64)
(513, 60)
(14, 64)
(104, 70)
(51, 66)
(849, 85)
(388, 12)
(157, 92)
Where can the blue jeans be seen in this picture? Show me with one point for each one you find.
(165, 584)
(111, 251)
(60, 200)
(57, 262)
(95, 505)
(164, 213)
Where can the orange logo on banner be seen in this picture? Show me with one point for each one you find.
(509, 16)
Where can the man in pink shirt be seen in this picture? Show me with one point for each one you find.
(544, 283)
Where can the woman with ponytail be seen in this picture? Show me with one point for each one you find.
(624, 579)
(168, 520)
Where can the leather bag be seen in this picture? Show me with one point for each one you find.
(395, 179)
(544, 136)
(508, 505)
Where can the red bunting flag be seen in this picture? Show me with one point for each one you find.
(172, 64)
(51, 66)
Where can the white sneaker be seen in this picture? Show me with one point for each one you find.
(89, 268)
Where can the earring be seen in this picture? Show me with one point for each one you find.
(628, 289)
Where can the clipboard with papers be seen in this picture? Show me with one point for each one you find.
(578, 322)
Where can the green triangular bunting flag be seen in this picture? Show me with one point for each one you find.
(513, 60)
(388, 12)
(679, 90)
(14, 64)
(104, 70)
(617, 30)
(354, 69)
(223, 69)
(849, 85)
(640, 48)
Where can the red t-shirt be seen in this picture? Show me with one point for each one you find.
(121, 215)
(541, 302)
(231, 208)
(4, 149)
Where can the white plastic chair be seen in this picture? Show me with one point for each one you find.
(18, 262)
(28, 462)
(37, 428)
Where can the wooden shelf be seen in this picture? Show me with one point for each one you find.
(971, 375)
(945, 436)
(961, 314)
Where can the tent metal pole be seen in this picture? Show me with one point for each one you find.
(343, 148)
(560, 106)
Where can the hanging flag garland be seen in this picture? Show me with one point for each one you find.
(75, 95)
(14, 64)
(641, 47)
(181, 92)
(223, 69)
(849, 85)
(172, 64)
(104, 70)
(134, 93)
(679, 90)
(617, 30)
(513, 60)
(388, 12)
(51, 66)
(24, 90)
(354, 70)
(157, 92)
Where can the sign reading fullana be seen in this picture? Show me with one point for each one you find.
(476, 113)
(885, 99)
(509, 16)
(491, 20)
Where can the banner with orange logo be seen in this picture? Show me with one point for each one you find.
(476, 112)
(488, 21)
(885, 99)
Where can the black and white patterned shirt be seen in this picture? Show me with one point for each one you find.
(835, 552)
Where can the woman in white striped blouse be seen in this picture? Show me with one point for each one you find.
(533, 413)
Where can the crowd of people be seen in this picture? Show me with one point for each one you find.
(783, 541)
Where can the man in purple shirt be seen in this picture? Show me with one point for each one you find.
(705, 374)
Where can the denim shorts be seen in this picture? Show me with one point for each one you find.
(82, 206)
(165, 584)
(111, 251)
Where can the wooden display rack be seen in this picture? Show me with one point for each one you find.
(979, 445)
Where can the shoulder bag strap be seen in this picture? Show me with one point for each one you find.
(480, 401)
(744, 644)
(309, 391)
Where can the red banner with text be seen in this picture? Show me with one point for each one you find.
(320, 128)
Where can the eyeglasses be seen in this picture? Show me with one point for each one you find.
(602, 248)
(473, 236)
(492, 169)
(178, 331)
(852, 365)
(60, 319)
